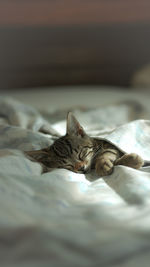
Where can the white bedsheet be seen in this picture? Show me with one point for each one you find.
(66, 219)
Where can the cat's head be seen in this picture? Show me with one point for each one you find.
(75, 150)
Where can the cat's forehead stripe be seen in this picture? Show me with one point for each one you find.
(62, 147)
(69, 145)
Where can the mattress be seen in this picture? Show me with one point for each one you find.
(65, 97)
(61, 218)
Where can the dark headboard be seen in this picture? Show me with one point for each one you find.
(61, 42)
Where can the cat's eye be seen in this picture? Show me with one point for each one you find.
(84, 153)
(88, 153)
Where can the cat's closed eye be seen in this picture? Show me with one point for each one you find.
(85, 152)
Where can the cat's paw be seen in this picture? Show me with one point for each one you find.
(132, 160)
(104, 166)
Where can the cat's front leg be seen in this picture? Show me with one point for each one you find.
(105, 162)
(132, 160)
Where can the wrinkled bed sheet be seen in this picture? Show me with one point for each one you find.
(65, 219)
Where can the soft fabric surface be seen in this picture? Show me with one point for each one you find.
(65, 219)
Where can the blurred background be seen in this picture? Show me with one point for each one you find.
(73, 42)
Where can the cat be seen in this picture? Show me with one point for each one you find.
(78, 152)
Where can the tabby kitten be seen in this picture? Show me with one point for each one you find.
(78, 152)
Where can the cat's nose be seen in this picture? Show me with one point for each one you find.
(81, 169)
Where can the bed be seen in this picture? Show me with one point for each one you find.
(61, 218)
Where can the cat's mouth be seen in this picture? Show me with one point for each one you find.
(84, 170)
(81, 167)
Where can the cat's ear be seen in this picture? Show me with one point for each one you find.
(73, 126)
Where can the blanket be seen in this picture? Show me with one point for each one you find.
(61, 218)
